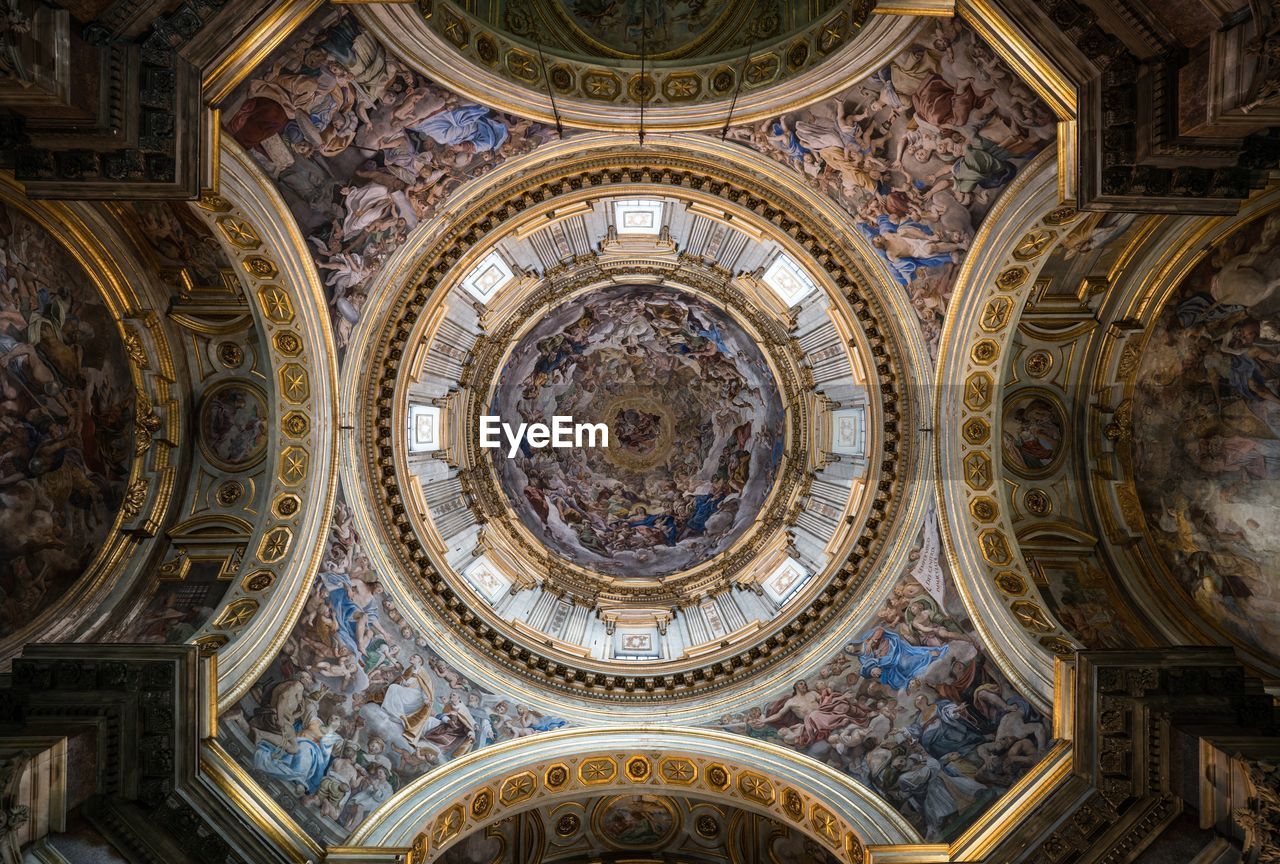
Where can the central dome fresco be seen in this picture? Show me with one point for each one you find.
(696, 430)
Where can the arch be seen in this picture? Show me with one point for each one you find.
(983, 315)
(303, 319)
(125, 287)
(1129, 323)
(442, 807)
(404, 30)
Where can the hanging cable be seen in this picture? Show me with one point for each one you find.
(640, 88)
(742, 73)
(550, 93)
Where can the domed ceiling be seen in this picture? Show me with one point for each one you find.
(695, 419)
(742, 319)
(893, 429)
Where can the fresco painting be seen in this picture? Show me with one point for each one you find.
(233, 425)
(1206, 433)
(66, 420)
(1031, 433)
(178, 608)
(913, 708)
(181, 246)
(637, 821)
(668, 25)
(682, 478)
(917, 153)
(358, 704)
(1077, 596)
(362, 148)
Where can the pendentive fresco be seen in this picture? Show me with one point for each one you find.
(917, 153)
(358, 703)
(913, 708)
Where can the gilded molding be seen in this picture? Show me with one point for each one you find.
(664, 171)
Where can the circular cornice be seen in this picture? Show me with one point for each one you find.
(684, 587)
(402, 28)
(670, 171)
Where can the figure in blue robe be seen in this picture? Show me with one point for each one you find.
(546, 724)
(898, 660)
(470, 124)
(306, 767)
(661, 521)
(787, 141)
(704, 507)
(904, 269)
(711, 333)
(346, 611)
(948, 731)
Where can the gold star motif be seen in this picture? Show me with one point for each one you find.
(977, 469)
(756, 787)
(295, 466)
(277, 303)
(276, 543)
(294, 382)
(678, 771)
(239, 232)
(446, 826)
(237, 617)
(996, 313)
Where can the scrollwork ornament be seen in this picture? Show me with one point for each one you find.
(134, 498)
(1261, 819)
(147, 421)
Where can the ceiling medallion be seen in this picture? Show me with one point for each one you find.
(680, 559)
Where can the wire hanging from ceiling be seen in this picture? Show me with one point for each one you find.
(641, 91)
(742, 73)
(550, 92)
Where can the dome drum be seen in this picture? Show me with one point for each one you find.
(555, 284)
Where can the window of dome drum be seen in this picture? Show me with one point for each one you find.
(489, 277)
(638, 216)
(788, 280)
(424, 428)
